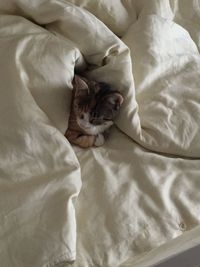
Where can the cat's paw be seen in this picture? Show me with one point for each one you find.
(108, 124)
(100, 140)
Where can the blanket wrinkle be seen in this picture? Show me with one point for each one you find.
(113, 205)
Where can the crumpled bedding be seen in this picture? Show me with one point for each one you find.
(111, 206)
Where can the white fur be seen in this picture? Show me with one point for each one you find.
(90, 128)
(100, 140)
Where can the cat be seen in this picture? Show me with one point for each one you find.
(94, 106)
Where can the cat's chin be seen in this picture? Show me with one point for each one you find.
(91, 129)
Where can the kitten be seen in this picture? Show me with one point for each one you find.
(94, 106)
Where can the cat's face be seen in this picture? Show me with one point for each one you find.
(95, 105)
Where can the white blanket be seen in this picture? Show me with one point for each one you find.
(138, 191)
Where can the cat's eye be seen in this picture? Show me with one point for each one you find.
(82, 117)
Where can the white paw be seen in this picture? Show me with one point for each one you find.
(99, 141)
(108, 124)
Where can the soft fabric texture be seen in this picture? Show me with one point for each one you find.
(111, 206)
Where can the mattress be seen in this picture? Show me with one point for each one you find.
(133, 201)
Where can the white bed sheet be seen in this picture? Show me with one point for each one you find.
(114, 205)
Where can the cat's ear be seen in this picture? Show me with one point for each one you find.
(79, 85)
(115, 100)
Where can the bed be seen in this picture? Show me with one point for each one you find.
(133, 201)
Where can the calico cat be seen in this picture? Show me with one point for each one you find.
(94, 106)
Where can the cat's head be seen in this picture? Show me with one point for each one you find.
(95, 104)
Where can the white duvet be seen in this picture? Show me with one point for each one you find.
(111, 206)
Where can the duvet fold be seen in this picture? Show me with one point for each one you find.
(147, 193)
